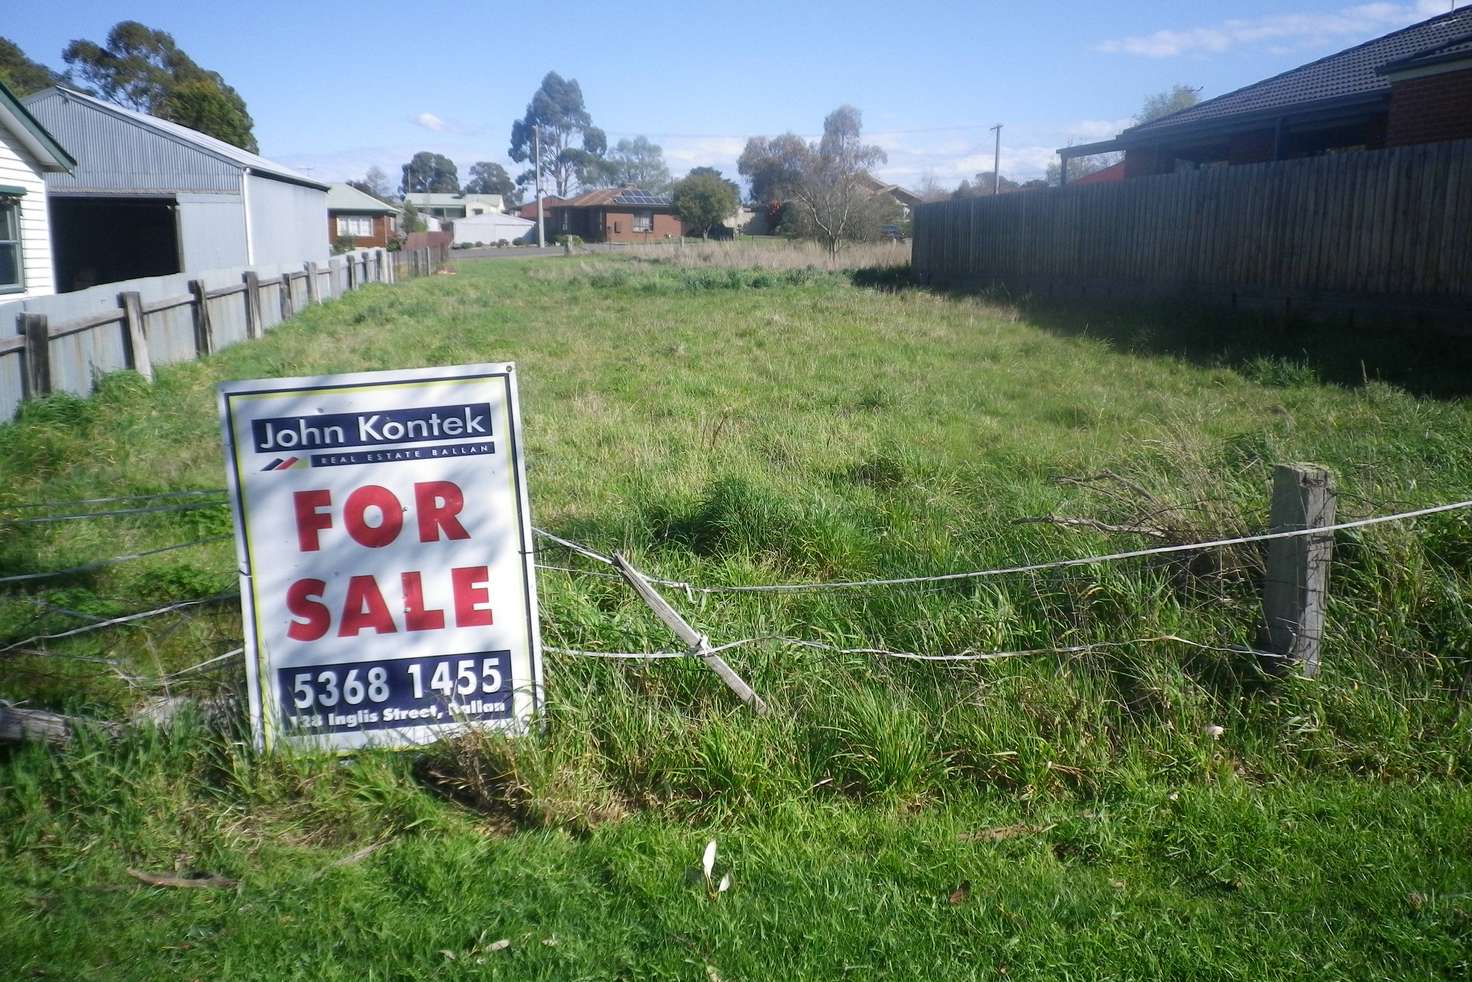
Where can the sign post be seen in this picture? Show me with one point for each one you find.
(384, 539)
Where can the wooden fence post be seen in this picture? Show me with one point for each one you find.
(1296, 586)
(252, 304)
(352, 271)
(698, 643)
(204, 334)
(378, 265)
(312, 285)
(288, 306)
(135, 338)
(36, 379)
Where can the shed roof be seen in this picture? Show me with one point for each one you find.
(16, 118)
(166, 129)
(345, 197)
(1347, 75)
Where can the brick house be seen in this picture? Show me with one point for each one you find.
(623, 214)
(353, 214)
(1410, 86)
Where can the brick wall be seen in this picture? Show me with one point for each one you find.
(1431, 109)
(618, 226)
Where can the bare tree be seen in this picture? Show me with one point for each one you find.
(824, 181)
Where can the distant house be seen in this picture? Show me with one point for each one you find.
(149, 197)
(446, 206)
(360, 217)
(1410, 86)
(529, 210)
(623, 214)
(901, 196)
(27, 154)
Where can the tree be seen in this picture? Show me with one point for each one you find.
(412, 222)
(769, 164)
(705, 199)
(1172, 100)
(202, 105)
(430, 172)
(982, 185)
(491, 178)
(572, 147)
(931, 189)
(639, 163)
(20, 74)
(823, 183)
(146, 70)
(375, 182)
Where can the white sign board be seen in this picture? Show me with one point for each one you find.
(384, 541)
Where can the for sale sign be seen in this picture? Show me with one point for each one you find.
(386, 574)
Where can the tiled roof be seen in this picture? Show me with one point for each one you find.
(1457, 50)
(632, 197)
(1350, 73)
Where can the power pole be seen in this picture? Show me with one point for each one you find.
(997, 161)
(537, 152)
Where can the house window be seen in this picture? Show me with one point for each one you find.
(358, 226)
(11, 272)
(644, 220)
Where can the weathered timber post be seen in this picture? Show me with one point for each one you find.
(36, 379)
(288, 307)
(699, 644)
(312, 285)
(135, 339)
(352, 271)
(253, 326)
(1296, 586)
(204, 335)
(378, 265)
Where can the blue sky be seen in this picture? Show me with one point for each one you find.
(337, 87)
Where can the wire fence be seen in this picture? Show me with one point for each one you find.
(36, 642)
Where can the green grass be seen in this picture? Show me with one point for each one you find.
(729, 425)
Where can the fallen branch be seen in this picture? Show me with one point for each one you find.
(207, 882)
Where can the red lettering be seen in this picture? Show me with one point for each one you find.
(389, 524)
(472, 596)
(364, 608)
(416, 618)
(309, 519)
(438, 502)
(304, 600)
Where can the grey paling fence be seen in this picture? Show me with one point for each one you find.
(64, 342)
(1376, 230)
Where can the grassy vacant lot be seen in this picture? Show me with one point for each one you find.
(1056, 815)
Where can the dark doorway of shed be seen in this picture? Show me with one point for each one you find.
(104, 240)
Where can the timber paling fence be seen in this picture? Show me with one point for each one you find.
(1379, 232)
(1298, 544)
(65, 342)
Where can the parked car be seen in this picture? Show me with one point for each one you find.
(892, 232)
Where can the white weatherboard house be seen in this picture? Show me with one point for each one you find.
(27, 154)
(149, 197)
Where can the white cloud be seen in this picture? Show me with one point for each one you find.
(431, 122)
(1281, 32)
